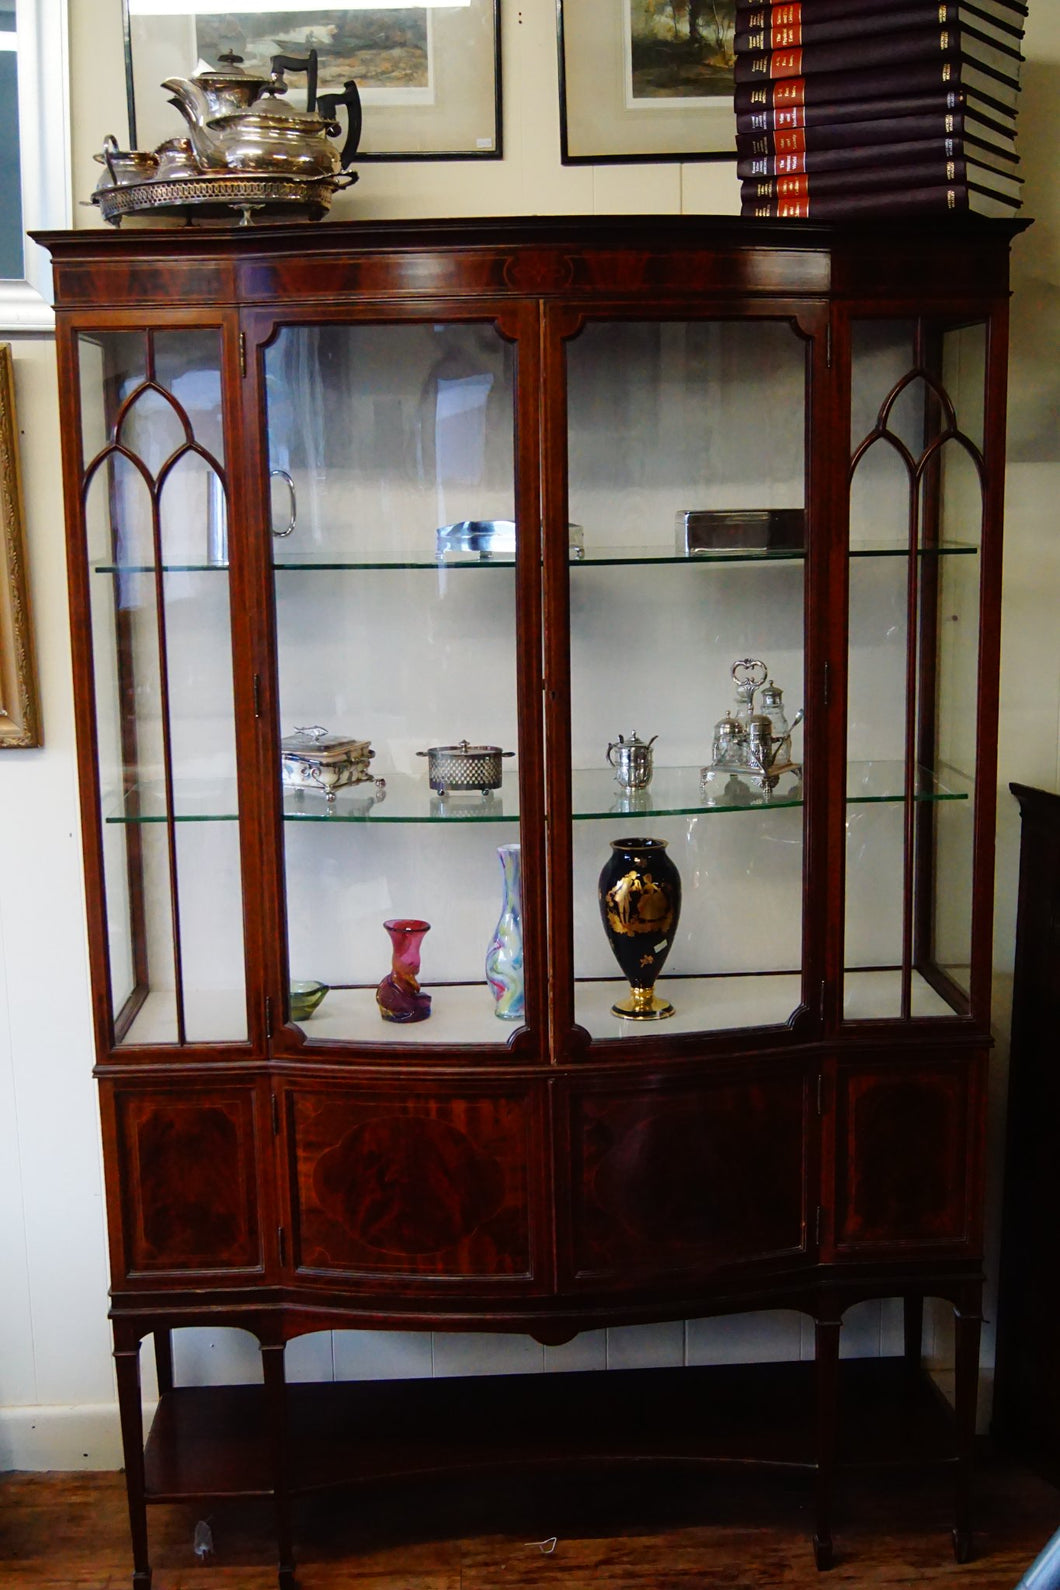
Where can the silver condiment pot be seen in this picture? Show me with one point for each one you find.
(763, 746)
(632, 761)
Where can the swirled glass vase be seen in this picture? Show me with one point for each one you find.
(399, 995)
(504, 958)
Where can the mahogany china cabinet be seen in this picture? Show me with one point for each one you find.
(540, 488)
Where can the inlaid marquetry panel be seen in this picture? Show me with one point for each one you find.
(420, 1183)
(189, 1177)
(695, 1177)
(905, 1153)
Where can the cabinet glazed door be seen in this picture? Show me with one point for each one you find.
(921, 477)
(155, 483)
(683, 475)
(403, 543)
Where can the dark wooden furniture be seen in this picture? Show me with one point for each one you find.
(1027, 1388)
(807, 1131)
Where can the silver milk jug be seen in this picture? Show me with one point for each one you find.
(632, 761)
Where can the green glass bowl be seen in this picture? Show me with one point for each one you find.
(305, 997)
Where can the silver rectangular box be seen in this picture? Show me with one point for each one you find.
(739, 529)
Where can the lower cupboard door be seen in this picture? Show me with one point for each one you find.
(688, 1179)
(188, 1182)
(422, 1185)
(908, 1154)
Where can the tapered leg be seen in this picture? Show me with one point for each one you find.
(968, 1323)
(913, 1318)
(130, 1408)
(163, 1340)
(827, 1380)
(276, 1403)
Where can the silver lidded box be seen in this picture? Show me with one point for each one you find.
(739, 530)
(311, 758)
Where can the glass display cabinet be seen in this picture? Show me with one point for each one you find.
(536, 693)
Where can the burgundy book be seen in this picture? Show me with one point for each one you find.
(831, 116)
(947, 198)
(824, 88)
(926, 172)
(935, 42)
(1009, 13)
(943, 153)
(779, 27)
(938, 127)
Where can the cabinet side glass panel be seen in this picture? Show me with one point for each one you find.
(916, 508)
(392, 482)
(686, 471)
(156, 524)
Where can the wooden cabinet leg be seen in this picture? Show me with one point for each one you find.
(130, 1408)
(913, 1320)
(163, 1342)
(827, 1384)
(968, 1324)
(276, 1406)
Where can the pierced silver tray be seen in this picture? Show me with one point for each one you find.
(218, 194)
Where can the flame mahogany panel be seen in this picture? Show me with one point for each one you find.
(189, 1178)
(416, 1183)
(691, 1177)
(531, 270)
(906, 1148)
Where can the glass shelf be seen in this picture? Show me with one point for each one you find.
(674, 792)
(900, 549)
(315, 562)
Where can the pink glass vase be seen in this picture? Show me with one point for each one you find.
(398, 996)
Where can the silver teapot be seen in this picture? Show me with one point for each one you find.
(237, 123)
(632, 761)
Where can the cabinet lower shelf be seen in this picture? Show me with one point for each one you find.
(212, 1442)
(463, 1013)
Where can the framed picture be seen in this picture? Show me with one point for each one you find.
(428, 73)
(646, 80)
(19, 712)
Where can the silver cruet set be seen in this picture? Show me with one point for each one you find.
(751, 749)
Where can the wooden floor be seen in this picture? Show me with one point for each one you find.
(650, 1531)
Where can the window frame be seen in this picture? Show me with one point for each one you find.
(44, 136)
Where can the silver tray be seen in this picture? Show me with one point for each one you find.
(219, 194)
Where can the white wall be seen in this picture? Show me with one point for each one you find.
(56, 1387)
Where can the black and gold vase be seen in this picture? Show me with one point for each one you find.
(640, 902)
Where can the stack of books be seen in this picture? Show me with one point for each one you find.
(877, 107)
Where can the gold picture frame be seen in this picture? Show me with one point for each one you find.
(20, 726)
